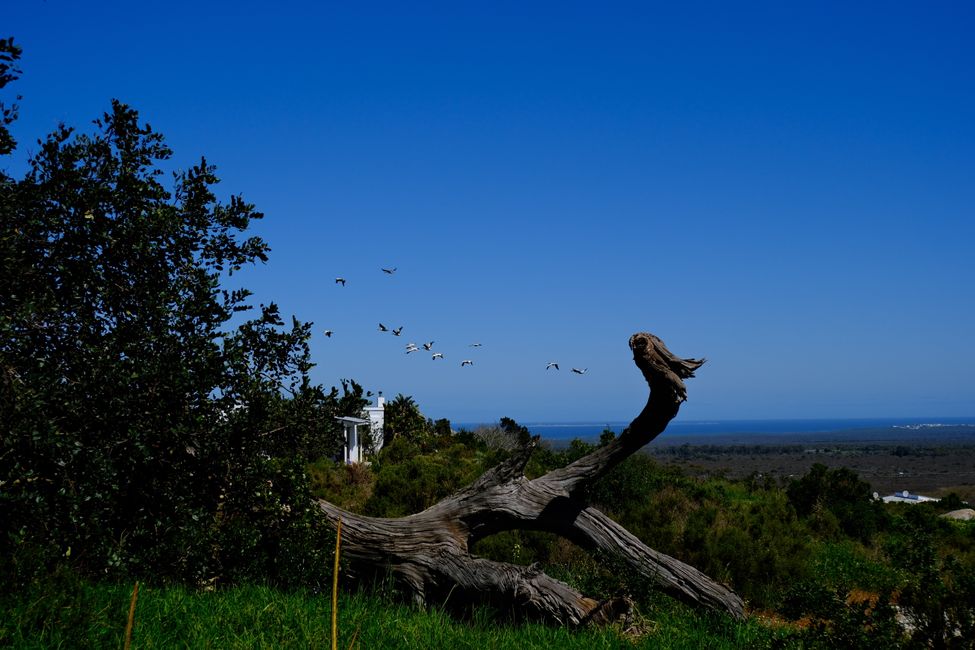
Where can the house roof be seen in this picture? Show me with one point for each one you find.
(907, 497)
(350, 420)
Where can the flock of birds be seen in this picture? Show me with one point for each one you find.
(413, 347)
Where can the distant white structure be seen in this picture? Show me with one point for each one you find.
(907, 497)
(965, 514)
(377, 417)
(353, 451)
(353, 428)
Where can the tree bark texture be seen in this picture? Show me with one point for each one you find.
(427, 554)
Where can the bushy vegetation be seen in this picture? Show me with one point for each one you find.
(151, 426)
(837, 500)
(818, 553)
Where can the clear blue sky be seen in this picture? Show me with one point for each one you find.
(786, 189)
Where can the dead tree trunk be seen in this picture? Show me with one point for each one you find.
(428, 553)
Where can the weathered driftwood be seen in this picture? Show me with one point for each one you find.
(427, 553)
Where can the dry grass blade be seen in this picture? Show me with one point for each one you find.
(131, 621)
(335, 587)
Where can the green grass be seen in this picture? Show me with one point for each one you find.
(69, 613)
(847, 565)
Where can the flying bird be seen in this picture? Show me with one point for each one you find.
(437, 355)
(428, 346)
(552, 364)
(340, 281)
(328, 333)
(466, 362)
(383, 328)
(475, 345)
(398, 331)
(389, 271)
(411, 348)
(580, 372)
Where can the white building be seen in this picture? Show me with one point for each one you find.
(372, 421)
(907, 497)
(376, 416)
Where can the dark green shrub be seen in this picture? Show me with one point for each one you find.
(403, 419)
(848, 565)
(937, 593)
(347, 486)
(843, 495)
(141, 413)
(626, 485)
(951, 501)
(268, 529)
(841, 621)
(409, 480)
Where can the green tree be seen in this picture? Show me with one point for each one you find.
(842, 494)
(9, 72)
(141, 428)
(937, 593)
(402, 418)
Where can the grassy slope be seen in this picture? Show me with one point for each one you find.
(78, 614)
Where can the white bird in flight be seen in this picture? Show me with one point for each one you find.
(466, 362)
(437, 355)
(428, 346)
(340, 281)
(398, 331)
(389, 271)
(580, 372)
(328, 333)
(383, 328)
(475, 345)
(552, 364)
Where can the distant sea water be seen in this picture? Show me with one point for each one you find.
(773, 431)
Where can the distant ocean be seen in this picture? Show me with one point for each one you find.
(827, 429)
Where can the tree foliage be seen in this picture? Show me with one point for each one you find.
(402, 418)
(9, 72)
(838, 498)
(147, 424)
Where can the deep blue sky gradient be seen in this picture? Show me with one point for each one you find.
(786, 189)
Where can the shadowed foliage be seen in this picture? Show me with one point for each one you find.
(148, 425)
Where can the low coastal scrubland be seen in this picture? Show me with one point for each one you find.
(819, 562)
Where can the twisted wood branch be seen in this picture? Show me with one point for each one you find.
(428, 553)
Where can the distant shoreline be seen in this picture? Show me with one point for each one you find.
(775, 432)
(931, 456)
(874, 436)
(852, 437)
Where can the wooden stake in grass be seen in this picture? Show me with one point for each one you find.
(131, 622)
(335, 587)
